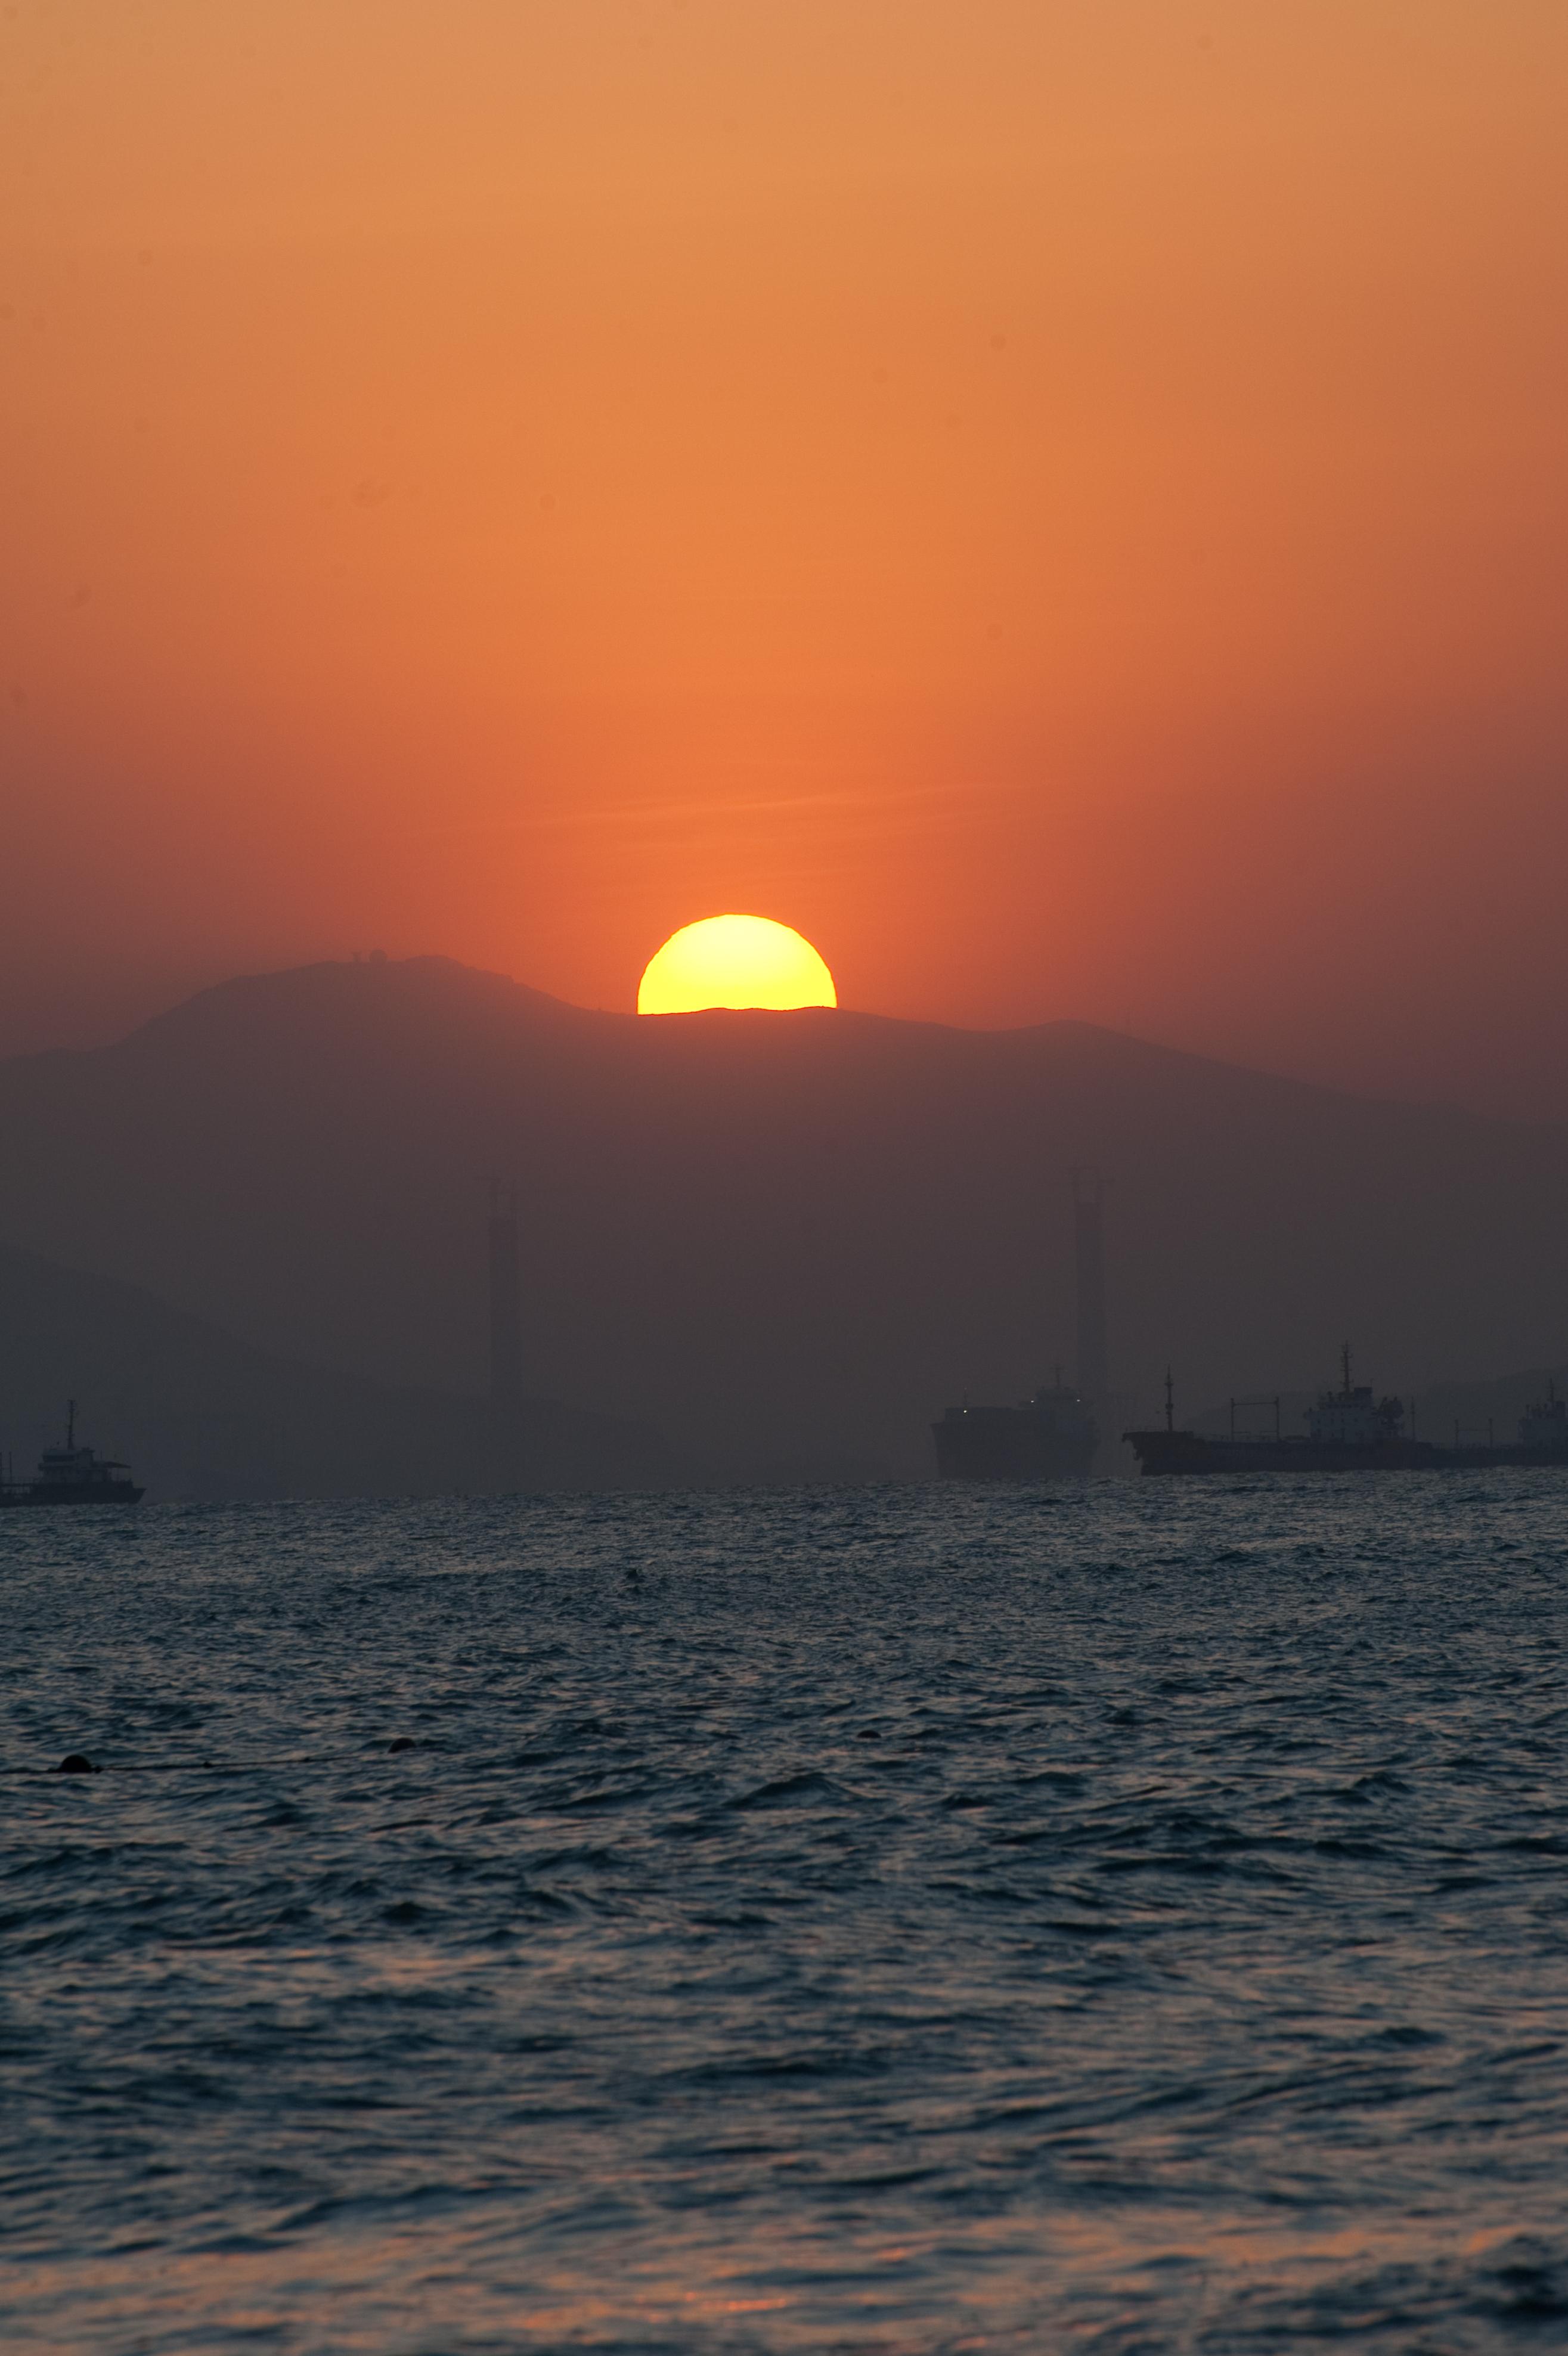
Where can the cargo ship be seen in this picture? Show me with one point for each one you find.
(1348, 1430)
(74, 1476)
(1047, 1437)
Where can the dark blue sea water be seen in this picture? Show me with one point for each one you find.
(1121, 1917)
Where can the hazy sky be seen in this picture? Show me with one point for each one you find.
(1064, 502)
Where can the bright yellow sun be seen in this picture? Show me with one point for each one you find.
(734, 961)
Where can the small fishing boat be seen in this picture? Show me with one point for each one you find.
(74, 1476)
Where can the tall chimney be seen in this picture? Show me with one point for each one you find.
(506, 1305)
(1093, 1367)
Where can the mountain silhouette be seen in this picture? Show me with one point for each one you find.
(788, 1240)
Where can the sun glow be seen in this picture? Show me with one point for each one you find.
(734, 961)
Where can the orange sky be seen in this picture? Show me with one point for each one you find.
(1064, 501)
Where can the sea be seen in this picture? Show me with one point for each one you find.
(1120, 1916)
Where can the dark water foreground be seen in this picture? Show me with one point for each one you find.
(1130, 1918)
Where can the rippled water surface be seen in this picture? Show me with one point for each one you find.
(1131, 1917)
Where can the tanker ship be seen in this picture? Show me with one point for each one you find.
(1348, 1430)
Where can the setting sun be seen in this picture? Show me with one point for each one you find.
(734, 961)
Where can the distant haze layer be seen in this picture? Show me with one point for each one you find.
(788, 1240)
(1065, 506)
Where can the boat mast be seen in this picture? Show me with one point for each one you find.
(70, 1425)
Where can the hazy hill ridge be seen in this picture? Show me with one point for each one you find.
(786, 1239)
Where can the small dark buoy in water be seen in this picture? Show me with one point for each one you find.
(402, 1742)
(74, 1764)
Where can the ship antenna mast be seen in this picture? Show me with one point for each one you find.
(69, 1424)
(1345, 1362)
(1170, 1403)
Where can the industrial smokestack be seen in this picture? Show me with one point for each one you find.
(1093, 1365)
(506, 1306)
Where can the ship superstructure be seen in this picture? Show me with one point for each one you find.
(1543, 1428)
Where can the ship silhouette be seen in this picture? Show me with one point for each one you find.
(74, 1476)
(1053, 1434)
(1046, 1437)
(1348, 1430)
